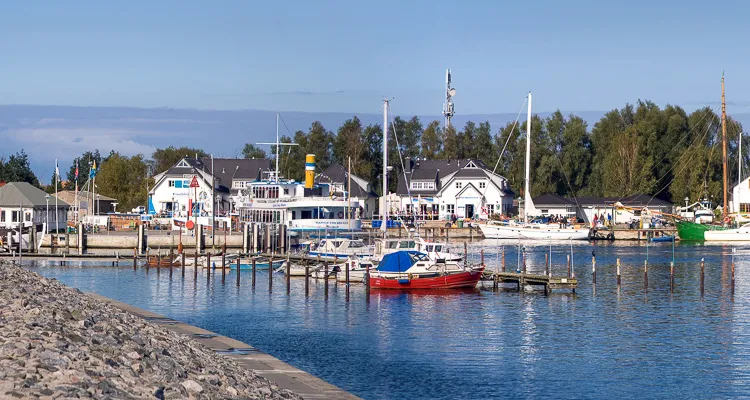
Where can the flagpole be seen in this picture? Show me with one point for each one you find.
(75, 214)
(57, 178)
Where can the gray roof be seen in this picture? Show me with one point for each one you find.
(637, 200)
(228, 169)
(14, 194)
(421, 170)
(550, 199)
(82, 194)
(336, 173)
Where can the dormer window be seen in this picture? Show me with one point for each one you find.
(183, 164)
(471, 165)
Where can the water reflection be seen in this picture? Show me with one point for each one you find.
(620, 342)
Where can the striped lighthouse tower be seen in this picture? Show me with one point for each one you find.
(309, 171)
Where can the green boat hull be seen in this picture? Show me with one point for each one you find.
(691, 231)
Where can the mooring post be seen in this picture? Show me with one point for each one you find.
(325, 290)
(593, 270)
(645, 274)
(208, 266)
(619, 277)
(523, 253)
(182, 263)
(307, 280)
(148, 260)
(223, 265)
(703, 272)
(732, 281)
(546, 264)
(347, 276)
(367, 279)
(135, 258)
(466, 252)
(671, 276)
(238, 271)
(171, 263)
(252, 274)
(569, 276)
(195, 266)
(288, 273)
(270, 273)
(503, 263)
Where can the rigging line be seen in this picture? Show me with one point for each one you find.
(510, 133)
(708, 128)
(398, 149)
(674, 147)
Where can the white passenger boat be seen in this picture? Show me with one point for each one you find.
(341, 248)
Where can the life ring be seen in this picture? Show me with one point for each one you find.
(341, 214)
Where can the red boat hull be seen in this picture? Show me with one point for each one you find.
(451, 281)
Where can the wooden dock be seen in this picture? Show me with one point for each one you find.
(522, 279)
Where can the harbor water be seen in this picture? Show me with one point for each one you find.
(600, 342)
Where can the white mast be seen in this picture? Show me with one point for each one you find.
(385, 168)
(278, 145)
(527, 196)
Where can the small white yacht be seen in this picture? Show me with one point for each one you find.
(341, 248)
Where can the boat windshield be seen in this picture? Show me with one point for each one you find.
(391, 245)
(406, 244)
(356, 244)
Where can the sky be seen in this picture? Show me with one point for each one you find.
(344, 56)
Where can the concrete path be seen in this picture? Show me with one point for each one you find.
(273, 369)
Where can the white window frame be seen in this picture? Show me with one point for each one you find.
(459, 185)
(482, 185)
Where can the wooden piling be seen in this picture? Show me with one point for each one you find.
(732, 275)
(223, 265)
(569, 271)
(195, 266)
(593, 270)
(147, 260)
(367, 279)
(171, 265)
(645, 274)
(135, 258)
(671, 276)
(307, 280)
(347, 276)
(546, 264)
(252, 275)
(481, 257)
(619, 276)
(238, 271)
(503, 263)
(325, 290)
(288, 275)
(703, 275)
(466, 252)
(182, 263)
(270, 273)
(208, 267)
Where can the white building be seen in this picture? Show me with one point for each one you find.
(337, 178)
(23, 202)
(741, 198)
(438, 189)
(172, 195)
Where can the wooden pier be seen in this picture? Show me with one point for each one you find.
(522, 279)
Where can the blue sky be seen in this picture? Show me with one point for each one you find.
(344, 56)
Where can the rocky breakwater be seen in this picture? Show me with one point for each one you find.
(56, 342)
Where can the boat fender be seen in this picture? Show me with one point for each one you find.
(341, 214)
(410, 276)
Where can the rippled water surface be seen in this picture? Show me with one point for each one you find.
(601, 342)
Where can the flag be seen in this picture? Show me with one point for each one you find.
(92, 173)
(57, 172)
(76, 170)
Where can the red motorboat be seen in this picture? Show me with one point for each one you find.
(406, 270)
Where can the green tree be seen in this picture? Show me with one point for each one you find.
(85, 162)
(165, 159)
(252, 151)
(124, 178)
(466, 145)
(483, 146)
(374, 156)
(351, 142)
(575, 156)
(319, 141)
(451, 146)
(18, 169)
(432, 140)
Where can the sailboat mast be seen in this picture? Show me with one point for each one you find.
(724, 143)
(384, 212)
(527, 195)
(277, 147)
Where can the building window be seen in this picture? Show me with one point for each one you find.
(482, 185)
(429, 185)
(745, 207)
(416, 185)
(171, 183)
(28, 217)
(450, 208)
(490, 209)
(14, 216)
(458, 185)
(2, 216)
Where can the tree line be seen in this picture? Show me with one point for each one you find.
(638, 149)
